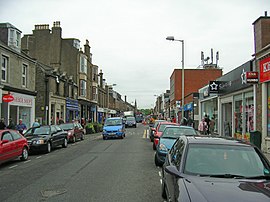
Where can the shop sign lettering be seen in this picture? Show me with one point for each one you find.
(265, 70)
(8, 98)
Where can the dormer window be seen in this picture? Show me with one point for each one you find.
(14, 40)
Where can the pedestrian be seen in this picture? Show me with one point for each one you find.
(207, 120)
(173, 119)
(190, 121)
(2, 124)
(61, 121)
(202, 128)
(11, 124)
(21, 126)
(36, 123)
(212, 125)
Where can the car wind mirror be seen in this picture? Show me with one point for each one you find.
(5, 141)
(173, 171)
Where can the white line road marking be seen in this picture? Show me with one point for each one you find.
(27, 161)
(13, 166)
(38, 157)
(159, 173)
(160, 181)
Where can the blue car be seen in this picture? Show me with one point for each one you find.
(113, 128)
(168, 138)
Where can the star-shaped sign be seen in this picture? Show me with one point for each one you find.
(214, 86)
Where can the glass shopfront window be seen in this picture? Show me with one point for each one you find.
(243, 115)
(238, 116)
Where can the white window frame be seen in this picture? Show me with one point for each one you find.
(83, 64)
(83, 88)
(24, 74)
(4, 68)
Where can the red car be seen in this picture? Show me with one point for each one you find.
(12, 146)
(75, 131)
(159, 130)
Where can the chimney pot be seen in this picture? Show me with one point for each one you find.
(265, 13)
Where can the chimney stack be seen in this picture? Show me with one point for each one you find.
(261, 32)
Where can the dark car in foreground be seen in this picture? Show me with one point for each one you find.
(168, 138)
(113, 128)
(44, 138)
(205, 168)
(12, 146)
(75, 131)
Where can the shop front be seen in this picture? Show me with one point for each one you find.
(18, 106)
(57, 109)
(72, 110)
(265, 114)
(208, 104)
(236, 103)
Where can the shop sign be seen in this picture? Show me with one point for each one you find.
(252, 77)
(265, 70)
(8, 98)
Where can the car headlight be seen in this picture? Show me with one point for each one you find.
(104, 131)
(162, 147)
(69, 133)
(38, 142)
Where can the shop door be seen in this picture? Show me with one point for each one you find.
(227, 119)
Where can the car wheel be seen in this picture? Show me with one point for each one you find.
(157, 162)
(25, 154)
(65, 144)
(49, 147)
(104, 138)
(82, 136)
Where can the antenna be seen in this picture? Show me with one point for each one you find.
(202, 58)
(212, 56)
(217, 58)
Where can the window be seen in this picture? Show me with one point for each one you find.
(7, 136)
(24, 75)
(94, 91)
(83, 88)
(4, 66)
(16, 135)
(14, 38)
(177, 153)
(83, 65)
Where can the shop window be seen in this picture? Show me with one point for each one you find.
(249, 114)
(238, 117)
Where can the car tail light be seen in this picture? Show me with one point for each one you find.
(156, 140)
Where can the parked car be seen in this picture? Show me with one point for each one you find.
(152, 129)
(12, 146)
(131, 122)
(113, 128)
(75, 131)
(205, 168)
(44, 138)
(159, 130)
(168, 138)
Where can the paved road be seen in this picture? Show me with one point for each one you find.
(90, 170)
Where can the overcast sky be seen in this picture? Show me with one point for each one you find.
(127, 37)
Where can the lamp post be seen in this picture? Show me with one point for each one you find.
(171, 38)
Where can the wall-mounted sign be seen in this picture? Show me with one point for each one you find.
(252, 77)
(8, 98)
(265, 70)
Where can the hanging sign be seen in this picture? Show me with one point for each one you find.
(252, 77)
(8, 98)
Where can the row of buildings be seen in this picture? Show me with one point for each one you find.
(48, 77)
(238, 102)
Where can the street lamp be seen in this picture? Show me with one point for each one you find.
(171, 38)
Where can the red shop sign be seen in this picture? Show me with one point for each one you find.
(8, 98)
(265, 70)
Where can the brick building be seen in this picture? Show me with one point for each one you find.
(193, 81)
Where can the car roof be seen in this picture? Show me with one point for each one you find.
(179, 126)
(114, 118)
(200, 139)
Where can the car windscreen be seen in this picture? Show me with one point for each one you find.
(45, 130)
(162, 127)
(130, 119)
(175, 132)
(113, 122)
(224, 160)
(68, 126)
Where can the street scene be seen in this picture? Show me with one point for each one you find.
(140, 100)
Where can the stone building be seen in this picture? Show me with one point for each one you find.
(17, 84)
